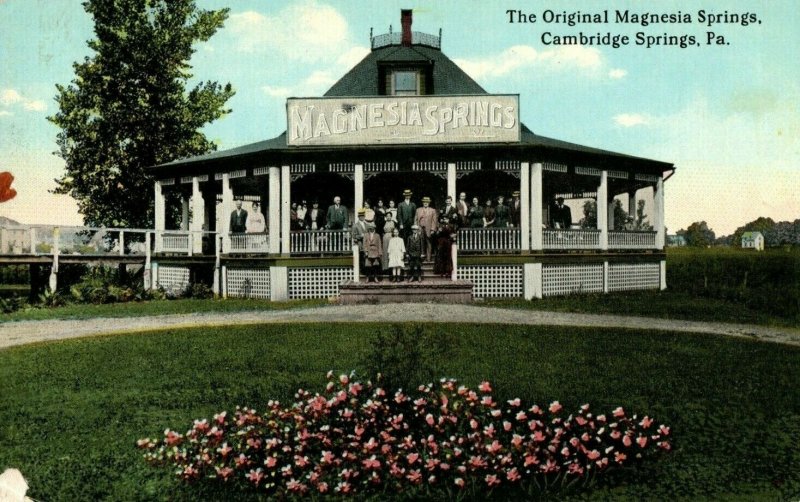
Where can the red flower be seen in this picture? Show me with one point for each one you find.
(485, 387)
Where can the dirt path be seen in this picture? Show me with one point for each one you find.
(24, 332)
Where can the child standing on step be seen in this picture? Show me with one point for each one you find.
(396, 250)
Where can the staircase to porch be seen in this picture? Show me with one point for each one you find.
(432, 288)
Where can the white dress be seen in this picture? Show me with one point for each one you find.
(397, 250)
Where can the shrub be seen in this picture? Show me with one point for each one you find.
(442, 441)
(406, 355)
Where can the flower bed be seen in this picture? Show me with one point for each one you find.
(445, 438)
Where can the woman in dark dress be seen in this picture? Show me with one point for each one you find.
(443, 262)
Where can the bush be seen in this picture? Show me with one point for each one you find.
(404, 356)
(11, 305)
(443, 441)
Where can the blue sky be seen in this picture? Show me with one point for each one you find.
(726, 116)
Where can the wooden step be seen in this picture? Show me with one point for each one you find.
(428, 290)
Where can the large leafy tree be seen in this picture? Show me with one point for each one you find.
(698, 234)
(128, 106)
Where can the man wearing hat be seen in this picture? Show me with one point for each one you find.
(359, 229)
(501, 216)
(428, 220)
(373, 251)
(515, 209)
(414, 248)
(406, 211)
(337, 215)
(450, 213)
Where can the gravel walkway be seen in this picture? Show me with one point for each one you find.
(24, 332)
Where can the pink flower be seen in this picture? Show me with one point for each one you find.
(619, 457)
(664, 430)
(459, 482)
(220, 417)
(531, 460)
(538, 437)
(641, 441)
(646, 422)
(491, 480)
(343, 379)
(255, 476)
(485, 387)
(429, 419)
(224, 473)
(513, 475)
(555, 407)
(575, 469)
(473, 423)
(270, 462)
(327, 457)
(242, 461)
(371, 463)
(593, 455)
(494, 447)
(516, 440)
(619, 412)
(626, 440)
(359, 430)
(565, 452)
(415, 476)
(521, 416)
(580, 420)
(506, 425)
(514, 402)
(412, 457)
(487, 401)
(355, 388)
(322, 487)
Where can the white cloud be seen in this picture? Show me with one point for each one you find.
(308, 31)
(520, 57)
(617, 73)
(35, 105)
(631, 119)
(5, 113)
(9, 97)
(276, 92)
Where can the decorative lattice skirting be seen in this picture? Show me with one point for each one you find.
(492, 281)
(317, 282)
(174, 280)
(569, 279)
(630, 276)
(248, 283)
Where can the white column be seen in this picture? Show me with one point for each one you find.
(605, 277)
(32, 231)
(274, 210)
(356, 265)
(227, 209)
(146, 273)
(602, 210)
(198, 217)
(54, 267)
(224, 281)
(532, 281)
(122, 243)
(279, 284)
(536, 206)
(451, 181)
(658, 202)
(663, 274)
(358, 182)
(524, 210)
(159, 215)
(216, 287)
(632, 204)
(184, 213)
(286, 209)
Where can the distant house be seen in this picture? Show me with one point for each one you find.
(753, 240)
(676, 240)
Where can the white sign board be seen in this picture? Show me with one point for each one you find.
(488, 118)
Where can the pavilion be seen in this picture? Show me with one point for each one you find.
(407, 117)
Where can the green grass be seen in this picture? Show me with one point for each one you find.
(72, 410)
(661, 304)
(155, 307)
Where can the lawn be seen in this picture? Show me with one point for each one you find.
(154, 307)
(72, 411)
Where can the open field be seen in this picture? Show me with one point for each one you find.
(73, 409)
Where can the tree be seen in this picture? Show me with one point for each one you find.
(641, 219)
(128, 107)
(589, 219)
(760, 224)
(698, 234)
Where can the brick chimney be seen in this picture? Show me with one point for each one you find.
(405, 22)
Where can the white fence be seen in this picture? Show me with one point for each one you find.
(249, 243)
(631, 240)
(488, 239)
(571, 239)
(91, 241)
(321, 242)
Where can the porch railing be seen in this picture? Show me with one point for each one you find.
(176, 242)
(472, 240)
(255, 243)
(631, 239)
(72, 240)
(571, 239)
(321, 242)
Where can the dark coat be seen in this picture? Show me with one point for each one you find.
(336, 217)
(406, 214)
(238, 222)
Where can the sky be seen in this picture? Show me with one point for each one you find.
(725, 113)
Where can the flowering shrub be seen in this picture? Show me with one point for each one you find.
(446, 439)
